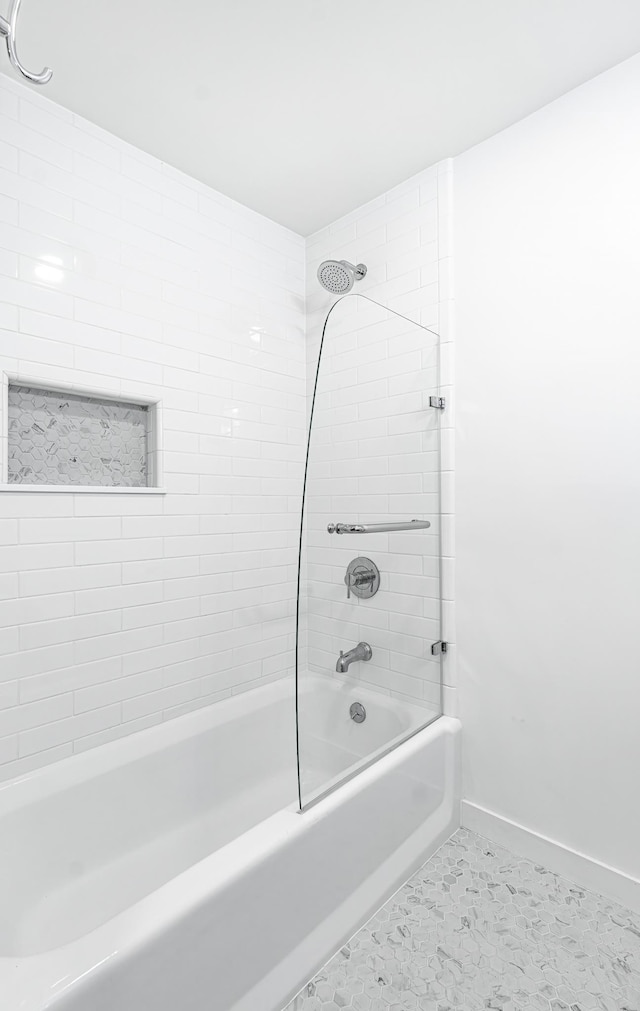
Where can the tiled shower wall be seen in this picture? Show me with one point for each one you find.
(123, 276)
(372, 456)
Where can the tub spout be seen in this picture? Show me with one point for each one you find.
(362, 651)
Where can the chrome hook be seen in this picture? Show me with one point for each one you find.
(8, 29)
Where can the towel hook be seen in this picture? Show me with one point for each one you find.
(8, 29)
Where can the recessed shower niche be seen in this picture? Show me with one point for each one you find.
(77, 439)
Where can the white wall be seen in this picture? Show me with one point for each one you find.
(117, 611)
(374, 448)
(547, 242)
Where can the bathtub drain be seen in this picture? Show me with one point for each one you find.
(357, 712)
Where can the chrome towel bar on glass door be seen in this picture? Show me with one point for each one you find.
(376, 528)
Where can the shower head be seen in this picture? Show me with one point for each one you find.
(338, 276)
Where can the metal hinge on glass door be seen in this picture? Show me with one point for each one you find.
(439, 647)
(439, 402)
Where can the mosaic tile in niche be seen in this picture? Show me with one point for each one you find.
(479, 928)
(72, 439)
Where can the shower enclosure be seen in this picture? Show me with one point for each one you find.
(172, 868)
(369, 646)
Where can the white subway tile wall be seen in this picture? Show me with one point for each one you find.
(123, 276)
(373, 453)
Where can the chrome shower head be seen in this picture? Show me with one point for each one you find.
(338, 276)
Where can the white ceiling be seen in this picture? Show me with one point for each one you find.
(304, 109)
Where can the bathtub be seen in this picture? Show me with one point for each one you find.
(172, 870)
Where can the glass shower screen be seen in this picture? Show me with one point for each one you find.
(368, 667)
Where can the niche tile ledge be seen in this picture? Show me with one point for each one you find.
(79, 489)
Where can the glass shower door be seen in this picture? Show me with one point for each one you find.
(368, 672)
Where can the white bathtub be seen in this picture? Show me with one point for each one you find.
(171, 870)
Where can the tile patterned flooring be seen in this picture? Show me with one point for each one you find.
(480, 928)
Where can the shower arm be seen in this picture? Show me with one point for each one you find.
(8, 29)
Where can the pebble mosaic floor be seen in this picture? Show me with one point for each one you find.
(480, 928)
